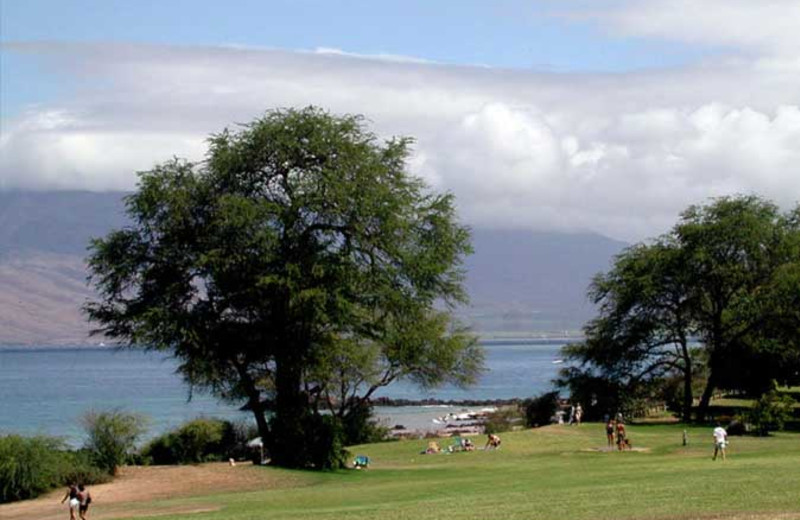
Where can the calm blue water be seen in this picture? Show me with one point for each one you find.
(47, 390)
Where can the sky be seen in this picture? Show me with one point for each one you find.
(607, 116)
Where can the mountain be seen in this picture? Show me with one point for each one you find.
(43, 240)
(56, 222)
(527, 281)
(520, 282)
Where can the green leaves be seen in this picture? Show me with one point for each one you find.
(300, 232)
(727, 275)
(112, 436)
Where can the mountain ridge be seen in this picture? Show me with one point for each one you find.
(520, 282)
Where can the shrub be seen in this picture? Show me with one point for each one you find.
(236, 438)
(112, 436)
(360, 427)
(200, 440)
(539, 411)
(502, 420)
(327, 442)
(29, 466)
(771, 412)
(737, 427)
(77, 466)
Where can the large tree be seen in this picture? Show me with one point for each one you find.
(738, 253)
(299, 249)
(642, 333)
(727, 277)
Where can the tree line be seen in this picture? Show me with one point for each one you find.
(712, 305)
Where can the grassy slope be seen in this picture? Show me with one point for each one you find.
(544, 473)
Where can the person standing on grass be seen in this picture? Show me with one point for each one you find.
(720, 441)
(578, 414)
(610, 433)
(620, 435)
(74, 503)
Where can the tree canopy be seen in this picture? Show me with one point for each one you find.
(725, 278)
(297, 268)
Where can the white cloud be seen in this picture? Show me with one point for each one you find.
(764, 27)
(620, 154)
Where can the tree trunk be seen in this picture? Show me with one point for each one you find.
(289, 447)
(688, 398)
(702, 411)
(254, 402)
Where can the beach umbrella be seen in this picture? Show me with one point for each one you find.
(257, 443)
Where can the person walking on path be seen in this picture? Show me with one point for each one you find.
(720, 441)
(84, 498)
(74, 502)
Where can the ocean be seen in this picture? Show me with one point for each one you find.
(48, 390)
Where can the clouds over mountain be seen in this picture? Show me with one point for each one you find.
(619, 154)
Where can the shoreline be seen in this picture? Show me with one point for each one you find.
(388, 402)
(488, 338)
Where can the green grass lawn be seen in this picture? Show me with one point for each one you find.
(549, 473)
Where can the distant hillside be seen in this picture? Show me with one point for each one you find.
(519, 281)
(43, 241)
(56, 222)
(526, 281)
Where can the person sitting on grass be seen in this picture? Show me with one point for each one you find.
(433, 447)
(720, 441)
(467, 445)
(492, 443)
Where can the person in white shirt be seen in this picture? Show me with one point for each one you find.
(720, 441)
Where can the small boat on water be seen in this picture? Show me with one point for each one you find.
(465, 415)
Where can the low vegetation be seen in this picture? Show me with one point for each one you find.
(111, 437)
(200, 440)
(30, 466)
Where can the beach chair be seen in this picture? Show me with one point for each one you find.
(361, 461)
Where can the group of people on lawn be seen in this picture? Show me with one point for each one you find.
(616, 434)
(463, 444)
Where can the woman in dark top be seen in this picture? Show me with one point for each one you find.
(74, 503)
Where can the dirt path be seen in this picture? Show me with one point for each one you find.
(128, 495)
